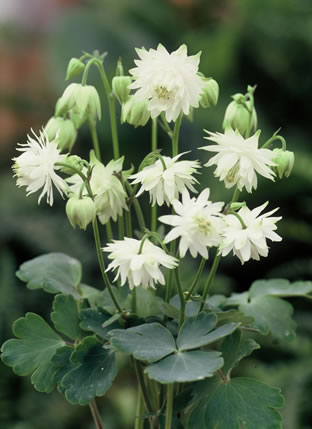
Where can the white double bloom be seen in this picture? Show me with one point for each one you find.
(249, 242)
(140, 268)
(165, 184)
(198, 223)
(36, 167)
(238, 159)
(169, 82)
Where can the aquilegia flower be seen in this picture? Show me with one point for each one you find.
(165, 184)
(140, 269)
(198, 222)
(36, 166)
(110, 196)
(249, 242)
(169, 81)
(238, 159)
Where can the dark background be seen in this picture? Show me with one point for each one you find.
(268, 43)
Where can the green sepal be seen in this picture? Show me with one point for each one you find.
(94, 374)
(53, 272)
(66, 316)
(32, 352)
(241, 402)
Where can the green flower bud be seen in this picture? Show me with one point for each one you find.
(120, 86)
(80, 211)
(74, 68)
(210, 94)
(237, 115)
(73, 162)
(135, 112)
(63, 131)
(284, 160)
(82, 100)
(237, 206)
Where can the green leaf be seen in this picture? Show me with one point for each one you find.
(62, 364)
(271, 314)
(234, 348)
(94, 375)
(185, 366)
(241, 403)
(280, 287)
(235, 316)
(54, 272)
(32, 353)
(92, 320)
(66, 317)
(194, 331)
(149, 342)
(191, 307)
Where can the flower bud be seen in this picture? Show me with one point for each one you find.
(210, 94)
(120, 85)
(73, 163)
(80, 211)
(63, 131)
(284, 160)
(74, 68)
(83, 100)
(237, 116)
(135, 112)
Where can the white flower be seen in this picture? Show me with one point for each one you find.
(169, 81)
(36, 169)
(110, 196)
(238, 159)
(140, 269)
(249, 242)
(165, 185)
(198, 222)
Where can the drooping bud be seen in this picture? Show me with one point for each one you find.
(80, 211)
(237, 206)
(120, 85)
(82, 100)
(135, 112)
(210, 94)
(62, 131)
(237, 115)
(73, 163)
(284, 160)
(74, 68)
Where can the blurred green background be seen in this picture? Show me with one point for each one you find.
(268, 43)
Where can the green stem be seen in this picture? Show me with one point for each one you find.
(232, 212)
(137, 206)
(109, 231)
(210, 279)
(181, 296)
(235, 196)
(121, 228)
(86, 71)
(154, 148)
(272, 139)
(111, 108)
(170, 274)
(102, 265)
(128, 223)
(95, 140)
(139, 420)
(140, 378)
(134, 302)
(169, 406)
(166, 125)
(96, 415)
(175, 137)
(198, 274)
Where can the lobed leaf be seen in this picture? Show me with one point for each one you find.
(53, 272)
(32, 353)
(149, 342)
(66, 316)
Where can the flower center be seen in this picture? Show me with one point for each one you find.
(203, 224)
(231, 176)
(162, 92)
